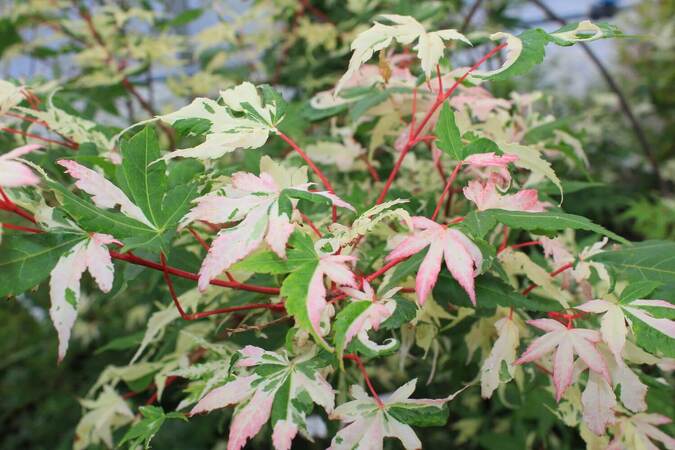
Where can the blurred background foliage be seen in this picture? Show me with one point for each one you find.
(171, 51)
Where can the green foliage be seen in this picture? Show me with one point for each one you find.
(645, 261)
(141, 433)
(25, 262)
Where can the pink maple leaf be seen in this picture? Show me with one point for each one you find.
(14, 173)
(566, 342)
(462, 257)
(486, 196)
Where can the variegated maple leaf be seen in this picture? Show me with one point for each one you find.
(366, 312)
(617, 317)
(276, 389)
(566, 342)
(107, 413)
(404, 30)
(598, 399)
(462, 257)
(64, 286)
(305, 291)
(244, 122)
(103, 193)
(485, 196)
(518, 50)
(530, 158)
(640, 432)
(491, 167)
(368, 423)
(367, 221)
(503, 353)
(263, 205)
(478, 100)
(10, 95)
(13, 172)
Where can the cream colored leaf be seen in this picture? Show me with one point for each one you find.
(518, 263)
(369, 219)
(404, 30)
(503, 352)
(75, 128)
(530, 158)
(10, 96)
(514, 47)
(107, 413)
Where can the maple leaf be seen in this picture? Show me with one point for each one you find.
(13, 172)
(367, 221)
(368, 423)
(462, 257)
(598, 398)
(599, 402)
(529, 157)
(142, 432)
(366, 311)
(478, 100)
(640, 431)
(279, 389)
(244, 122)
(404, 30)
(503, 352)
(109, 411)
(64, 286)
(614, 323)
(584, 31)
(519, 263)
(566, 342)
(305, 291)
(492, 167)
(73, 127)
(103, 193)
(485, 196)
(489, 159)
(527, 49)
(262, 204)
(10, 95)
(582, 270)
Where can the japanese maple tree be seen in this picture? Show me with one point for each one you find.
(315, 263)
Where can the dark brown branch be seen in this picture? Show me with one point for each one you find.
(469, 15)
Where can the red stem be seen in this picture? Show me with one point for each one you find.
(11, 226)
(40, 122)
(373, 173)
(309, 223)
(524, 244)
(358, 362)
(384, 269)
(203, 314)
(440, 98)
(311, 164)
(69, 145)
(505, 239)
(199, 239)
(8, 205)
(558, 271)
(129, 257)
(448, 185)
(153, 398)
